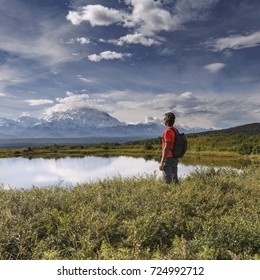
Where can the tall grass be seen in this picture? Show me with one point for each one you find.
(212, 214)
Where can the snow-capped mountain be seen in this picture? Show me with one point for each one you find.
(86, 122)
(9, 128)
(26, 121)
(7, 123)
(82, 118)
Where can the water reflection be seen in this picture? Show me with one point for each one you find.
(25, 173)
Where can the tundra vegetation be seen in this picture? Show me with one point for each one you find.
(236, 146)
(213, 213)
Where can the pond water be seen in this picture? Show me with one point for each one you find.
(25, 173)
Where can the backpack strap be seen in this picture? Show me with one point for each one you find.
(175, 133)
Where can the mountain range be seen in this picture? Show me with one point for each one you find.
(80, 123)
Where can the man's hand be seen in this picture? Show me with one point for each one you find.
(161, 166)
(164, 155)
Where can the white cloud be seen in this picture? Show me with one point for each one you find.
(149, 16)
(214, 67)
(136, 38)
(46, 47)
(10, 75)
(70, 101)
(191, 110)
(73, 101)
(38, 49)
(145, 18)
(83, 40)
(25, 114)
(96, 15)
(31, 32)
(236, 42)
(38, 102)
(107, 55)
(86, 80)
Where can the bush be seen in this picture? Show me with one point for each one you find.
(148, 146)
(256, 150)
(245, 149)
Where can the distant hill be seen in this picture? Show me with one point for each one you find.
(246, 129)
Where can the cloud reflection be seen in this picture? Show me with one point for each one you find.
(25, 173)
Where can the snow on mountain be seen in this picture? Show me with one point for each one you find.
(71, 123)
(26, 121)
(9, 128)
(5, 123)
(197, 129)
(81, 118)
(86, 122)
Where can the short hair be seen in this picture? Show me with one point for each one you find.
(170, 118)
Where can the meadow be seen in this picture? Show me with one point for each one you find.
(211, 214)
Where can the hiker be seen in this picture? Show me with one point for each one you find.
(169, 164)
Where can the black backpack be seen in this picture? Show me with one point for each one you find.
(180, 144)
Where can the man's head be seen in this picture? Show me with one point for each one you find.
(169, 119)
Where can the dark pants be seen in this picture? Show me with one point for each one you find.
(170, 170)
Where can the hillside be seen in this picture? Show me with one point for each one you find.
(247, 129)
(242, 140)
(235, 141)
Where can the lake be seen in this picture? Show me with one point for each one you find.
(25, 173)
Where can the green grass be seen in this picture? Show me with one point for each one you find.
(212, 214)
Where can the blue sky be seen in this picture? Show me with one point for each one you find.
(135, 59)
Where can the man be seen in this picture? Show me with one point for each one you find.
(169, 164)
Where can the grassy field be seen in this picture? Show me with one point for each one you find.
(212, 214)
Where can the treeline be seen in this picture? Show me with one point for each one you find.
(234, 143)
(237, 143)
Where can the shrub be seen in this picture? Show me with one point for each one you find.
(245, 149)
